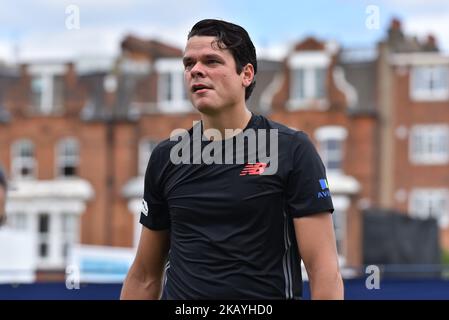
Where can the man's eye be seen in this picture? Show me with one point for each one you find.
(212, 61)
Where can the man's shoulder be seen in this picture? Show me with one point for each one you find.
(164, 145)
(284, 131)
(162, 149)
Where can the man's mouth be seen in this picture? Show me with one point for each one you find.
(198, 88)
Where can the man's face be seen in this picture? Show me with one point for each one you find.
(210, 76)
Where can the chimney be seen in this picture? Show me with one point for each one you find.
(395, 25)
(431, 43)
(395, 36)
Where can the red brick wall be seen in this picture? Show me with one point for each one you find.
(408, 113)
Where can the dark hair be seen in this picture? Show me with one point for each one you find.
(232, 37)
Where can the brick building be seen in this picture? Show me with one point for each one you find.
(413, 95)
(76, 136)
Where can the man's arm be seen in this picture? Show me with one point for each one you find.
(316, 243)
(145, 275)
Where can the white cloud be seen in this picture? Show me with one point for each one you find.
(415, 3)
(69, 44)
(63, 44)
(6, 52)
(97, 4)
(435, 24)
(421, 18)
(38, 28)
(275, 52)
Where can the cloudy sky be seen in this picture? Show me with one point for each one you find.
(38, 29)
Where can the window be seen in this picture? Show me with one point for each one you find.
(43, 235)
(166, 87)
(331, 154)
(172, 95)
(69, 232)
(47, 93)
(18, 221)
(430, 82)
(307, 78)
(429, 144)
(67, 158)
(56, 233)
(430, 203)
(37, 88)
(146, 147)
(23, 160)
(171, 89)
(49, 214)
(330, 146)
(308, 83)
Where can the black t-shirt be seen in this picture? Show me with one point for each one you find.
(231, 227)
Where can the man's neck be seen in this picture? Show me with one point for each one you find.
(235, 119)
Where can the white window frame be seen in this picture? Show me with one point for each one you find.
(427, 93)
(18, 162)
(175, 69)
(45, 85)
(422, 200)
(434, 137)
(54, 198)
(63, 159)
(47, 239)
(18, 221)
(56, 238)
(326, 133)
(46, 73)
(309, 62)
(146, 147)
(71, 235)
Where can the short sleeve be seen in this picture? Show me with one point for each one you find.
(307, 187)
(155, 213)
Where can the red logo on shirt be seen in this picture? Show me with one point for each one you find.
(253, 169)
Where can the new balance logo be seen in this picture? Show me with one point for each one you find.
(325, 187)
(253, 169)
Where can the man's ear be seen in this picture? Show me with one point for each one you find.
(248, 75)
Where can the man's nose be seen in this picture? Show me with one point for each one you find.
(197, 70)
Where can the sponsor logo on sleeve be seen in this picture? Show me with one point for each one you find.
(144, 207)
(325, 192)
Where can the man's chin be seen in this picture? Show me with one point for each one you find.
(206, 108)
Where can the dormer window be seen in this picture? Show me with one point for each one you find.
(307, 79)
(47, 88)
(172, 95)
